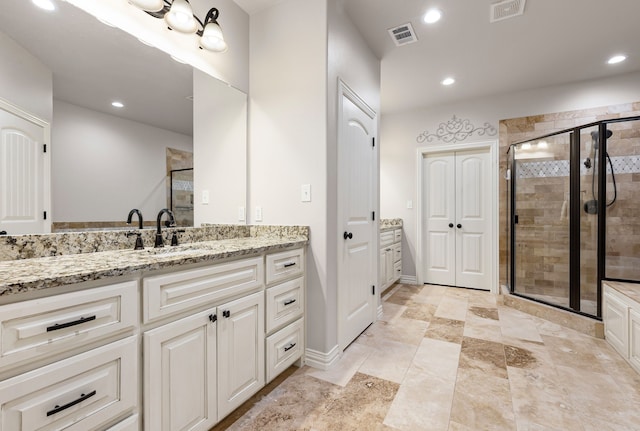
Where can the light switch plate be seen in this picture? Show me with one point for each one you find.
(409, 205)
(241, 214)
(205, 197)
(258, 213)
(305, 191)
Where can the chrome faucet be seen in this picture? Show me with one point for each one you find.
(139, 245)
(171, 222)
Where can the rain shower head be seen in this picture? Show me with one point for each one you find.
(595, 137)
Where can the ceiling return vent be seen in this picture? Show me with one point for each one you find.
(403, 34)
(506, 9)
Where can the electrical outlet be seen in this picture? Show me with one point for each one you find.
(241, 214)
(258, 213)
(205, 197)
(409, 205)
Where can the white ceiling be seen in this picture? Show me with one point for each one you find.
(554, 42)
(94, 64)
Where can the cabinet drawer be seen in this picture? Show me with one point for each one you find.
(129, 424)
(397, 252)
(287, 264)
(397, 235)
(397, 270)
(169, 294)
(285, 303)
(77, 394)
(386, 238)
(284, 348)
(41, 327)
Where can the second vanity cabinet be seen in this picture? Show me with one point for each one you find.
(390, 257)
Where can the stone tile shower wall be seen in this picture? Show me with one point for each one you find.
(543, 188)
(182, 186)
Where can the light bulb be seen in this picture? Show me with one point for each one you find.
(180, 17)
(212, 38)
(148, 5)
(45, 4)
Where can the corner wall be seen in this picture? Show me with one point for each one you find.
(399, 130)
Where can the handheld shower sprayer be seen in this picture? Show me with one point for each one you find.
(591, 207)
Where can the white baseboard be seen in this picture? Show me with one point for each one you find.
(321, 360)
(379, 312)
(408, 279)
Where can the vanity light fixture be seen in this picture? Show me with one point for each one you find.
(179, 17)
(44, 4)
(617, 59)
(448, 81)
(432, 16)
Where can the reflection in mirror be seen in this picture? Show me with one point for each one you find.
(104, 160)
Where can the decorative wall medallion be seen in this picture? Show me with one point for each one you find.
(456, 130)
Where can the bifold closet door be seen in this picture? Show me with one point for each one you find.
(457, 214)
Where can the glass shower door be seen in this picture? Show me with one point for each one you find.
(540, 208)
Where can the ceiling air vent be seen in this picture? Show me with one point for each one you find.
(506, 9)
(403, 34)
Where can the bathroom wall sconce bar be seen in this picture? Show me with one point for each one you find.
(180, 17)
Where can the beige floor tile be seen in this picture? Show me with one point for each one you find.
(483, 328)
(484, 356)
(452, 307)
(482, 402)
(346, 367)
(389, 361)
(573, 353)
(424, 399)
(539, 401)
(391, 311)
(516, 324)
(403, 330)
(419, 311)
(445, 330)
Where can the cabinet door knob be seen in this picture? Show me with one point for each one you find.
(347, 235)
(226, 313)
(459, 226)
(450, 224)
(213, 318)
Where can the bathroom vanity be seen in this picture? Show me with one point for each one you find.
(621, 316)
(169, 338)
(390, 252)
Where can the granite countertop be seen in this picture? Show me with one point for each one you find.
(632, 290)
(19, 276)
(390, 224)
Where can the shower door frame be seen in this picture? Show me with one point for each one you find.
(574, 215)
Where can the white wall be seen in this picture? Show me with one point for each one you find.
(219, 150)
(24, 81)
(398, 152)
(288, 137)
(103, 166)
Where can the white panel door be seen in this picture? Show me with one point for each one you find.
(439, 218)
(241, 355)
(22, 175)
(180, 375)
(357, 252)
(457, 219)
(473, 219)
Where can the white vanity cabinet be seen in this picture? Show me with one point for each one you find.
(285, 303)
(621, 316)
(65, 371)
(199, 368)
(390, 269)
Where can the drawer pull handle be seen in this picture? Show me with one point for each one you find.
(226, 313)
(289, 301)
(388, 249)
(287, 265)
(80, 321)
(289, 347)
(58, 409)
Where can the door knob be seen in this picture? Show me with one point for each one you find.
(347, 235)
(458, 225)
(450, 224)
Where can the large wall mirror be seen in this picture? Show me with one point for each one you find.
(106, 160)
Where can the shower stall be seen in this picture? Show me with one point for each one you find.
(574, 213)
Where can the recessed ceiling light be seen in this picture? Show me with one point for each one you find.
(44, 4)
(448, 81)
(432, 16)
(117, 104)
(543, 144)
(617, 59)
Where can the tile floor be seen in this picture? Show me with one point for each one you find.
(453, 360)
